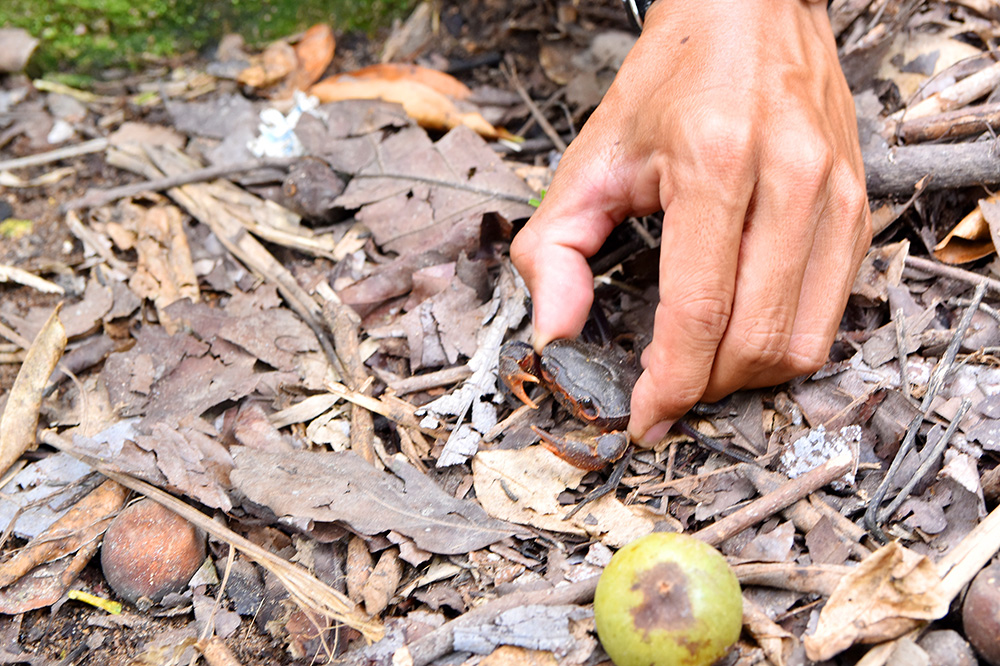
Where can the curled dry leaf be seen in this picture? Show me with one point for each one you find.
(277, 62)
(20, 416)
(974, 237)
(430, 108)
(357, 568)
(382, 582)
(891, 592)
(314, 52)
(446, 84)
(78, 527)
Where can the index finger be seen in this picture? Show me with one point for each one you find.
(574, 219)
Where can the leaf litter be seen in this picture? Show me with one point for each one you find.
(305, 343)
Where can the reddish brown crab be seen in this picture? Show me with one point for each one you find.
(593, 382)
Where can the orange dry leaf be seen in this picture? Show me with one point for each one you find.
(427, 106)
(277, 61)
(974, 237)
(314, 51)
(79, 526)
(446, 84)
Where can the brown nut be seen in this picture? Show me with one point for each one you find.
(150, 551)
(946, 647)
(981, 614)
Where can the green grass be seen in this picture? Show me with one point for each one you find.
(85, 36)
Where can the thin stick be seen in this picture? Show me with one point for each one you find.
(900, 320)
(445, 377)
(780, 499)
(929, 460)
(511, 72)
(85, 148)
(96, 198)
(944, 270)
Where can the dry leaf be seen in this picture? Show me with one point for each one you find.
(314, 52)
(382, 583)
(79, 526)
(881, 268)
(523, 487)
(164, 271)
(357, 567)
(427, 106)
(889, 593)
(277, 62)
(20, 416)
(972, 238)
(446, 84)
(343, 487)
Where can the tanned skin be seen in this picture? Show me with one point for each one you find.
(733, 117)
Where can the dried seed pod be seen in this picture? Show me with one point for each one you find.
(150, 551)
(981, 614)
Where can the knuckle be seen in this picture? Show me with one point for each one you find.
(725, 139)
(704, 317)
(807, 354)
(765, 344)
(807, 158)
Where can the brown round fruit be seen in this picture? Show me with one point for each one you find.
(150, 551)
(981, 614)
(667, 599)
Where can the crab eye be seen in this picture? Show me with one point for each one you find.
(586, 408)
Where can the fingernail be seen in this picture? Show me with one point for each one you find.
(656, 433)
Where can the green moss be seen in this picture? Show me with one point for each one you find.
(84, 36)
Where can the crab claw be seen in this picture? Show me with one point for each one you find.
(519, 365)
(586, 449)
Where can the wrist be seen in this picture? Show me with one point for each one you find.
(637, 9)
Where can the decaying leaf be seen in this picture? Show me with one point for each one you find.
(973, 237)
(888, 594)
(20, 415)
(343, 487)
(424, 104)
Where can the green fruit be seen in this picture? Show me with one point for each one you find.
(667, 600)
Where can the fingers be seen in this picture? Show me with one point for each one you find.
(577, 214)
(778, 239)
(702, 230)
(840, 245)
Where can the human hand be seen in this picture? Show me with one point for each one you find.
(734, 118)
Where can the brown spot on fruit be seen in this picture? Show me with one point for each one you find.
(665, 603)
(667, 600)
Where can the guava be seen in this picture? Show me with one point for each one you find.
(667, 600)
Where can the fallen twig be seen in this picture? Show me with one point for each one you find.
(85, 148)
(898, 170)
(771, 503)
(95, 198)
